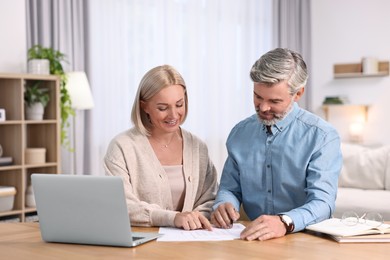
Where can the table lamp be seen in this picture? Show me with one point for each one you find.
(356, 132)
(79, 90)
(81, 97)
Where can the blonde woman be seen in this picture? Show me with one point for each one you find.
(168, 176)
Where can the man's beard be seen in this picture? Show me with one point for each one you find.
(277, 117)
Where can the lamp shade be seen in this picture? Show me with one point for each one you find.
(79, 90)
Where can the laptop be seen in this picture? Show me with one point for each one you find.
(83, 209)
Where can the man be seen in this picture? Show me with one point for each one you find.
(283, 162)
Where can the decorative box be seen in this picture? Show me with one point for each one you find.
(35, 155)
(7, 196)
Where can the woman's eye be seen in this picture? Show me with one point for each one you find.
(179, 105)
(162, 108)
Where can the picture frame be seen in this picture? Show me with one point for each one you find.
(2, 114)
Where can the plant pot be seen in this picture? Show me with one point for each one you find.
(39, 66)
(35, 111)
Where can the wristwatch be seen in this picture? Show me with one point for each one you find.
(288, 223)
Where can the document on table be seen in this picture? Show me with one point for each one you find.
(217, 234)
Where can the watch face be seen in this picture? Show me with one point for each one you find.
(287, 219)
(288, 222)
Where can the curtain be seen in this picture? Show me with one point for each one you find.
(292, 25)
(213, 44)
(60, 25)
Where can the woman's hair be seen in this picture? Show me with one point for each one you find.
(153, 81)
(281, 65)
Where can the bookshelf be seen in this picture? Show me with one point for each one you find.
(17, 134)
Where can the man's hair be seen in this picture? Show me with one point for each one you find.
(281, 65)
(153, 82)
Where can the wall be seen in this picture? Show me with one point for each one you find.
(344, 32)
(13, 46)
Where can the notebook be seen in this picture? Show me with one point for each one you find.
(83, 209)
(360, 232)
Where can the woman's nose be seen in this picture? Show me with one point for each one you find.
(173, 112)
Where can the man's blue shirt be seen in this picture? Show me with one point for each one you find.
(293, 170)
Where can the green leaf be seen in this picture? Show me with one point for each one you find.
(55, 58)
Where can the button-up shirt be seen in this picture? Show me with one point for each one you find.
(291, 169)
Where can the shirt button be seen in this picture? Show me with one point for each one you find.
(189, 178)
(269, 142)
(268, 166)
(160, 176)
(269, 191)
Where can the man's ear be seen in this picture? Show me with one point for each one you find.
(299, 94)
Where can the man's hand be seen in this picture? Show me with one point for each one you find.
(263, 228)
(224, 216)
(191, 221)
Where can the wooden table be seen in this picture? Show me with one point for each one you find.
(23, 241)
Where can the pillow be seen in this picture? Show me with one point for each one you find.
(387, 173)
(364, 167)
(350, 149)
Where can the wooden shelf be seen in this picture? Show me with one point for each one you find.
(354, 70)
(17, 133)
(326, 109)
(10, 213)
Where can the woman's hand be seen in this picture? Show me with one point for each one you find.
(191, 221)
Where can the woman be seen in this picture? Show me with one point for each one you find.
(168, 176)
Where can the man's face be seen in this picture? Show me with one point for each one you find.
(272, 103)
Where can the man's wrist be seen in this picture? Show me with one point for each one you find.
(288, 223)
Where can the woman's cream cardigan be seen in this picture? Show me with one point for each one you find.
(147, 189)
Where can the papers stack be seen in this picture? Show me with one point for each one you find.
(360, 232)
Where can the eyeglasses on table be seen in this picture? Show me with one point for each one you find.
(351, 218)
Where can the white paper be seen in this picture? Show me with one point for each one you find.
(217, 234)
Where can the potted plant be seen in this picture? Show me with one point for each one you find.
(55, 58)
(36, 99)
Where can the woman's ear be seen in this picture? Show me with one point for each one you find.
(299, 94)
(144, 106)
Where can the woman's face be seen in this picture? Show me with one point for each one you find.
(166, 109)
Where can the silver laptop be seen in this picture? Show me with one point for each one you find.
(84, 210)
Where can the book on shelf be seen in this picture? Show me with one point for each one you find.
(4, 161)
(361, 232)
